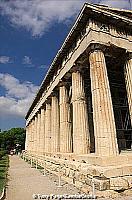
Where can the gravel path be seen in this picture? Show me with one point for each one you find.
(25, 181)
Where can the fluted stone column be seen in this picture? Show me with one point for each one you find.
(128, 79)
(103, 115)
(27, 140)
(65, 121)
(29, 137)
(38, 132)
(81, 137)
(42, 131)
(33, 132)
(35, 135)
(55, 123)
(48, 127)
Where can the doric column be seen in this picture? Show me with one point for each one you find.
(55, 122)
(128, 79)
(27, 140)
(48, 127)
(32, 136)
(42, 131)
(29, 137)
(65, 121)
(103, 115)
(35, 135)
(38, 134)
(81, 137)
(33, 132)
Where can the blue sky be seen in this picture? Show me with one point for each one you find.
(31, 33)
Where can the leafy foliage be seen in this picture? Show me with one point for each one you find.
(9, 139)
(4, 164)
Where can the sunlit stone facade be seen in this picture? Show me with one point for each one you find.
(82, 112)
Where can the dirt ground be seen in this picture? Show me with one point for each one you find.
(24, 182)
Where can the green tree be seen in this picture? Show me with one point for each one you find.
(11, 138)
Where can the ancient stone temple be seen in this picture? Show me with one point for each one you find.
(80, 121)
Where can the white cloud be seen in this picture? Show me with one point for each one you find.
(18, 96)
(27, 60)
(4, 59)
(38, 15)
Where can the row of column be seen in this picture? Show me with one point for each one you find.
(52, 130)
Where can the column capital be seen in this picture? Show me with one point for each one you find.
(35, 117)
(39, 111)
(62, 83)
(36, 114)
(43, 107)
(96, 47)
(54, 94)
(48, 100)
(76, 68)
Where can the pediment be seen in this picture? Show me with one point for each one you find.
(107, 13)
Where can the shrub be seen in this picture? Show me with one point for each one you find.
(2, 153)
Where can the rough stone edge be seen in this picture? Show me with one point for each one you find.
(98, 194)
